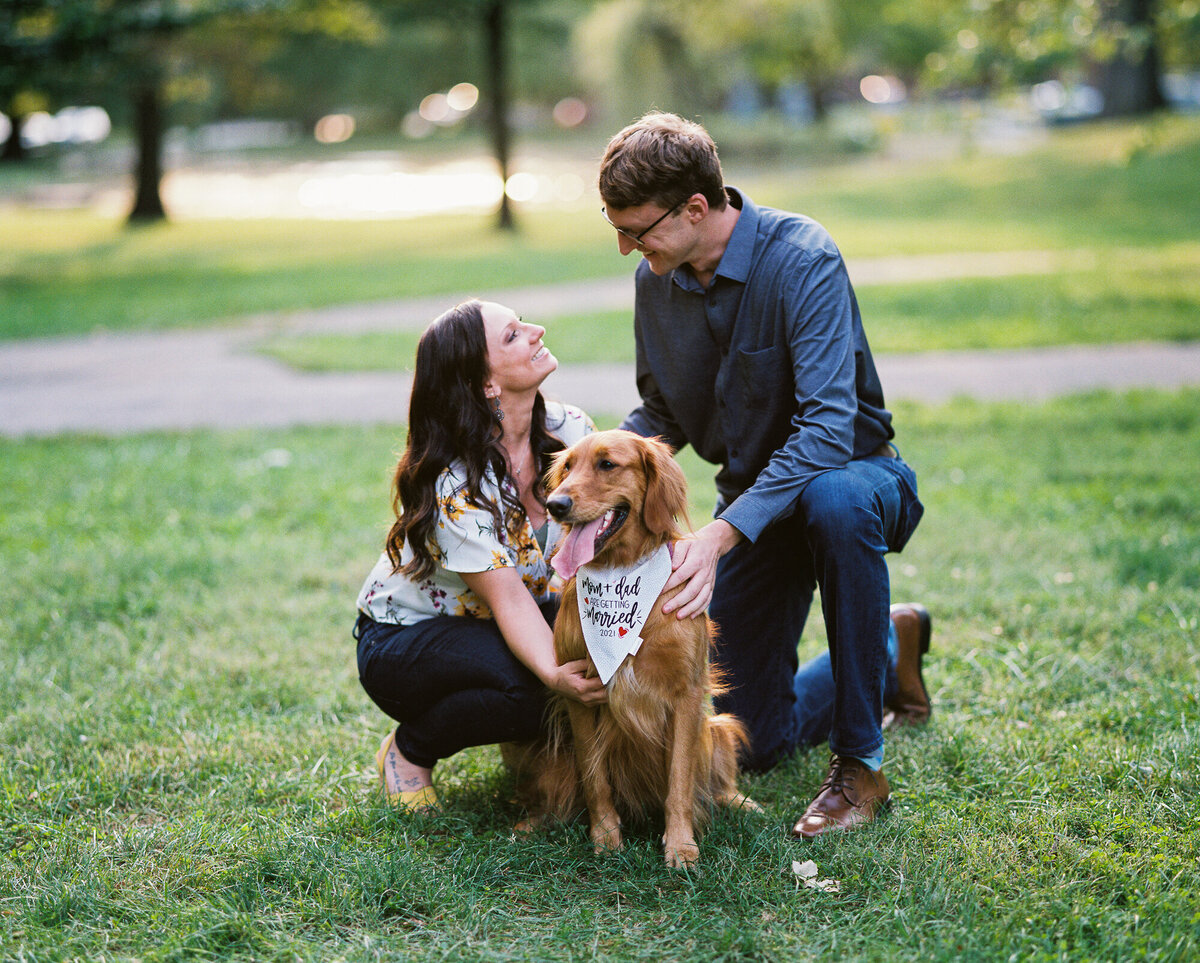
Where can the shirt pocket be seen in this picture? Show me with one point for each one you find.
(764, 378)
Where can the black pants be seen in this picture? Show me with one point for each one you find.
(451, 682)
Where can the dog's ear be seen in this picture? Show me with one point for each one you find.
(666, 488)
(557, 470)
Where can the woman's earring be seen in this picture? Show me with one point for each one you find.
(496, 409)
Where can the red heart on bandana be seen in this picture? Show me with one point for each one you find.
(622, 631)
(585, 600)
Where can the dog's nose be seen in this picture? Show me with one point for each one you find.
(558, 506)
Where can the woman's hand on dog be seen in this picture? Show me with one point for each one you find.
(694, 567)
(529, 637)
(572, 681)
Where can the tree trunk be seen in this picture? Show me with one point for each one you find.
(13, 149)
(496, 42)
(819, 90)
(1129, 81)
(147, 203)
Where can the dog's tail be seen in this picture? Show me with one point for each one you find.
(729, 739)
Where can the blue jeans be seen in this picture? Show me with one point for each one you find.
(451, 682)
(843, 525)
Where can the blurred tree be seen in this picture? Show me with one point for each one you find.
(1117, 42)
(1128, 76)
(781, 40)
(634, 55)
(37, 39)
(131, 50)
(493, 19)
(974, 43)
(68, 45)
(23, 45)
(898, 36)
(1179, 30)
(171, 38)
(305, 58)
(293, 60)
(709, 48)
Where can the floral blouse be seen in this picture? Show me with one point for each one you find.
(466, 540)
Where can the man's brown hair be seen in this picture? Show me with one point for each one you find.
(661, 159)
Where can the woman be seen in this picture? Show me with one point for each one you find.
(454, 627)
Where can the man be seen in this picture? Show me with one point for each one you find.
(751, 349)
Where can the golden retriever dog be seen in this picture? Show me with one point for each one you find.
(656, 745)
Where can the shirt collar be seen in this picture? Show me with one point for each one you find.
(739, 252)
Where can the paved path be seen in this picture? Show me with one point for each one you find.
(115, 384)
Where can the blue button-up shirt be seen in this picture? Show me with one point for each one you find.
(766, 372)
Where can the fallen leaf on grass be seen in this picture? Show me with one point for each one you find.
(807, 871)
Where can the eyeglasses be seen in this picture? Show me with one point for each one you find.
(637, 238)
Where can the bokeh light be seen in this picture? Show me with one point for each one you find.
(441, 110)
(462, 97)
(521, 186)
(570, 112)
(83, 125)
(435, 108)
(1049, 96)
(334, 128)
(882, 90)
(71, 125)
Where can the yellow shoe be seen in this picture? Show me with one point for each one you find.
(423, 800)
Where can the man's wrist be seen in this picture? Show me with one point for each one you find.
(726, 535)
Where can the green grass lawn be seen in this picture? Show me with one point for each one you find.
(1125, 295)
(1116, 296)
(1092, 186)
(575, 339)
(185, 752)
(1129, 193)
(71, 272)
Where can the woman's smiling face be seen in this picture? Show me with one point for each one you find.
(516, 356)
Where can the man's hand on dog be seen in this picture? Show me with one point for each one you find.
(694, 565)
(572, 680)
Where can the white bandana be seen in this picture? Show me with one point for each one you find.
(614, 604)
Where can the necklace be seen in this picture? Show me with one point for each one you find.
(533, 512)
(516, 469)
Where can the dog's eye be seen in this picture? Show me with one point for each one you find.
(605, 465)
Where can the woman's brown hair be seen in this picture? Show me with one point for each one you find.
(450, 420)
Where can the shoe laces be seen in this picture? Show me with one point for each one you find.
(842, 775)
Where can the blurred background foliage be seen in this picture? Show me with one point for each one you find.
(159, 65)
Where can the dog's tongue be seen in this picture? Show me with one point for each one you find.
(577, 548)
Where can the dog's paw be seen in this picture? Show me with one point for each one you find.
(683, 855)
(740, 802)
(606, 835)
(529, 824)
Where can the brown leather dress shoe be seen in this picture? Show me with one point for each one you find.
(850, 795)
(910, 706)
